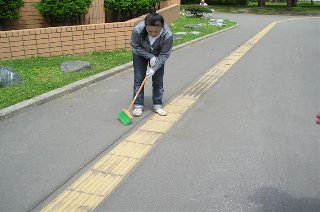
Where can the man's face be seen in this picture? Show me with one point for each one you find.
(153, 31)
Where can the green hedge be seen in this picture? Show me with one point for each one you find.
(130, 8)
(217, 2)
(190, 1)
(9, 9)
(197, 10)
(62, 10)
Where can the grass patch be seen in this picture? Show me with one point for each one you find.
(302, 8)
(42, 74)
(178, 26)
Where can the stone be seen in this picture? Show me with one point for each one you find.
(195, 33)
(187, 14)
(193, 26)
(8, 77)
(75, 66)
(177, 37)
(242, 11)
(218, 22)
(181, 33)
(207, 16)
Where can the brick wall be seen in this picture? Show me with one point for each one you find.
(96, 13)
(30, 18)
(171, 14)
(167, 3)
(51, 41)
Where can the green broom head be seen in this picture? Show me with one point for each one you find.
(125, 117)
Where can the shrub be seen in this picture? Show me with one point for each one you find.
(227, 2)
(62, 10)
(217, 2)
(132, 7)
(117, 5)
(144, 5)
(9, 9)
(197, 10)
(190, 1)
(209, 2)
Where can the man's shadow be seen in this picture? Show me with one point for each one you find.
(275, 200)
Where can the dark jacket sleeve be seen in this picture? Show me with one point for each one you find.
(136, 45)
(164, 53)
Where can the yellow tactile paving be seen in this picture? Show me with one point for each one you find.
(171, 117)
(89, 190)
(78, 202)
(201, 84)
(209, 77)
(83, 178)
(201, 87)
(108, 163)
(62, 205)
(91, 203)
(217, 70)
(130, 149)
(57, 201)
(156, 126)
(125, 167)
(203, 90)
(82, 202)
(92, 178)
(175, 108)
(99, 184)
(182, 101)
(198, 90)
(144, 137)
(104, 184)
(112, 163)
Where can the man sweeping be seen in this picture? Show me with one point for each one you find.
(151, 43)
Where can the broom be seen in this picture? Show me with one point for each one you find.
(125, 115)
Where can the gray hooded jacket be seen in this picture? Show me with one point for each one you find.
(161, 48)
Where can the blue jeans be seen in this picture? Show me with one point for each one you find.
(140, 65)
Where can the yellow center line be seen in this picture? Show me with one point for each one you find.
(95, 185)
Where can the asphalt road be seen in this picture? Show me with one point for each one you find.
(249, 144)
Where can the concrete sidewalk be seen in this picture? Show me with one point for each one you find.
(45, 146)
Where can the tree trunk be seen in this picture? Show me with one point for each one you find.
(294, 3)
(261, 3)
(289, 3)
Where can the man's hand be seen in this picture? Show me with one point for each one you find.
(153, 62)
(150, 72)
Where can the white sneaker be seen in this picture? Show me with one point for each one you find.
(137, 112)
(160, 111)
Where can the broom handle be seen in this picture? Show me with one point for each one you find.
(135, 97)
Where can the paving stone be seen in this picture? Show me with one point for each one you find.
(75, 66)
(8, 77)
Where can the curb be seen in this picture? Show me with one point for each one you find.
(54, 94)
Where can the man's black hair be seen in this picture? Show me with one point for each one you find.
(152, 19)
